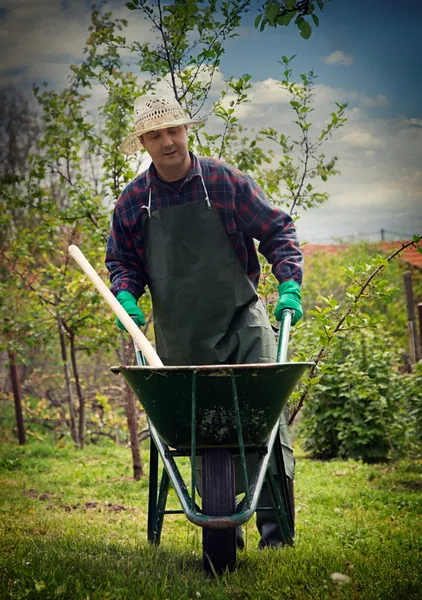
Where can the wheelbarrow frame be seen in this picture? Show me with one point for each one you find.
(280, 499)
(281, 504)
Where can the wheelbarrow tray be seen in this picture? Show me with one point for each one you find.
(166, 395)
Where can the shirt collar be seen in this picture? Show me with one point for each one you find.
(152, 180)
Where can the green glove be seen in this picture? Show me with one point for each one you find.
(289, 298)
(128, 301)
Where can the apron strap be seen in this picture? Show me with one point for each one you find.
(207, 198)
(149, 203)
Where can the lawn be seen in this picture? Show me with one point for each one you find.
(73, 525)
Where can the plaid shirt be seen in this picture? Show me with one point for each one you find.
(243, 209)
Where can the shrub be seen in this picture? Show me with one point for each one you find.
(363, 407)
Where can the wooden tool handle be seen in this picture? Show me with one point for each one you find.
(143, 344)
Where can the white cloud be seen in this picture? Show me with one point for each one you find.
(363, 139)
(36, 31)
(36, 34)
(374, 102)
(265, 97)
(268, 91)
(338, 57)
(380, 181)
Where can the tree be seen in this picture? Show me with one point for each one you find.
(19, 130)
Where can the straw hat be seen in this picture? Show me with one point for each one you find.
(154, 112)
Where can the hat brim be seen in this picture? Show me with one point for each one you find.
(132, 145)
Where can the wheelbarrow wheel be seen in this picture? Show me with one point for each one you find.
(218, 499)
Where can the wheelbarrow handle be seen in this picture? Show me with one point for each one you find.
(283, 340)
(133, 330)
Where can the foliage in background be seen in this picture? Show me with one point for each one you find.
(363, 406)
(21, 322)
(360, 401)
(330, 274)
(291, 182)
(46, 412)
(333, 320)
(301, 12)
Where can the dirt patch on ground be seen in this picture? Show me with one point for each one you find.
(414, 485)
(41, 495)
(118, 479)
(97, 506)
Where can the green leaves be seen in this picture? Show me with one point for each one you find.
(353, 411)
(305, 29)
(282, 13)
(271, 12)
(302, 159)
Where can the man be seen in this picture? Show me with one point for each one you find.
(186, 228)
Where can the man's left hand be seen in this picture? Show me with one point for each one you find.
(290, 297)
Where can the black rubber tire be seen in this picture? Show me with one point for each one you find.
(218, 499)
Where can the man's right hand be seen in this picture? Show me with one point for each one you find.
(128, 301)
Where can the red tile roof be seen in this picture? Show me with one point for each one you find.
(409, 255)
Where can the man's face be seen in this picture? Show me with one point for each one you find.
(168, 148)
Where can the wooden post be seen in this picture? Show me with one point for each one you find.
(17, 397)
(414, 350)
(420, 328)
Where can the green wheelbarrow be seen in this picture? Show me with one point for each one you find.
(212, 413)
(217, 412)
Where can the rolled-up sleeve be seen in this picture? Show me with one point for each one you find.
(125, 258)
(272, 227)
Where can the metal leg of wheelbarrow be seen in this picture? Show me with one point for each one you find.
(280, 498)
(156, 508)
(152, 491)
(288, 507)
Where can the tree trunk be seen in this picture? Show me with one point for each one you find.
(79, 392)
(73, 429)
(132, 420)
(17, 397)
(5, 381)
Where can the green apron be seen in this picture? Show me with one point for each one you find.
(206, 309)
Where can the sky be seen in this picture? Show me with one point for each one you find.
(365, 53)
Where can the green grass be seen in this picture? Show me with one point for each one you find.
(73, 525)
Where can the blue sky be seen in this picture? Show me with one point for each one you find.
(365, 52)
(384, 40)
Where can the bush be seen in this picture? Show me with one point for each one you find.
(363, 407)
(406, 426)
